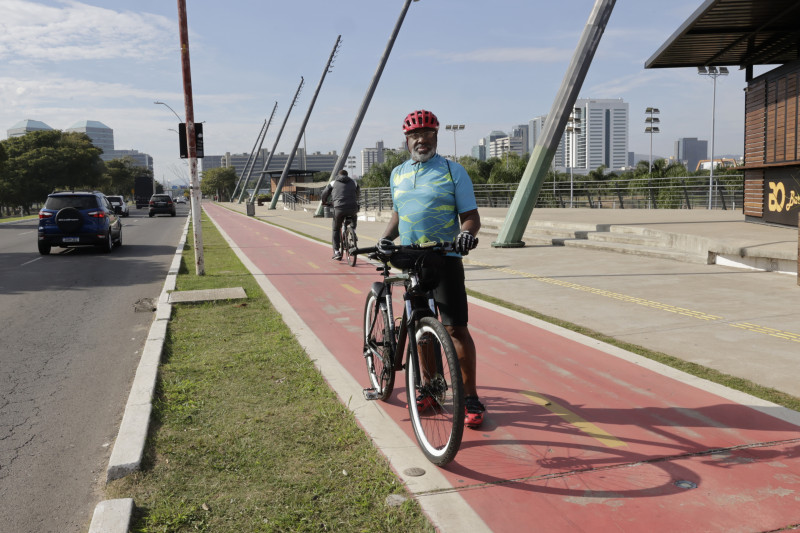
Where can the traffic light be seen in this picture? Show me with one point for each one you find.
(198, 139)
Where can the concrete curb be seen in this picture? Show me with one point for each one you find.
(113, 516)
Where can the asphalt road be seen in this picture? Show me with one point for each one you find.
(70, 341)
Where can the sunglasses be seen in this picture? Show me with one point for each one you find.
(424, 134)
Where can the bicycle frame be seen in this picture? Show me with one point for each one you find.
(411, 314)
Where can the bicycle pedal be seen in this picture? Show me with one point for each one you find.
(371, 394)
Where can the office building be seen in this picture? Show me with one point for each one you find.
(26, 126)
(371, 157)
(520, 139)
(139, 159)
(689, 151)
(535, 127)
(316, 162)
(479, 151)
(599, 136)
(101, 135)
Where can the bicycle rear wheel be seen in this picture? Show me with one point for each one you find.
(350, 241)
(438, 424)
(378, 348)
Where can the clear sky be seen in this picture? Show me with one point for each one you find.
(487, 65)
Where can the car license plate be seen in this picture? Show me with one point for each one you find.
(161, 204)
(71, 239)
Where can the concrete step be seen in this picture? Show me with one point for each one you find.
(627, 238)
(634, 249)
(531, 238)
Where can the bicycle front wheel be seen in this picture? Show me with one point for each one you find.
(378, 347)
(435, 398)
(350, 241)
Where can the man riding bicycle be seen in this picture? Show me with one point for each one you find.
(343, 192)
(433, 200)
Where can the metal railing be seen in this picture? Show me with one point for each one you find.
(641, 193)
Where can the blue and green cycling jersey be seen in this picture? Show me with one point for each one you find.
(428, 198)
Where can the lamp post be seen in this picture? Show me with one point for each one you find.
(713, 73)
(651, 129)
(455, 128)
(173, 111)
(573, 128)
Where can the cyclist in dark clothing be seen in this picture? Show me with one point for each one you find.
(343, 194)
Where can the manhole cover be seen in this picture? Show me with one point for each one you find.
(683, 484)
(414, 471)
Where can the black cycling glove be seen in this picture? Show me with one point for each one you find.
(384, 246)
(465, 242)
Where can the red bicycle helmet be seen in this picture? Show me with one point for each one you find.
(420, 119)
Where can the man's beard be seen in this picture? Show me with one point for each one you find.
(422, 158)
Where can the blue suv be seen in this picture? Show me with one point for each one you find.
(79, 219)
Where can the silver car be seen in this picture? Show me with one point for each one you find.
(121, 202)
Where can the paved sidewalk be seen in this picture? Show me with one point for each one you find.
(739, 321)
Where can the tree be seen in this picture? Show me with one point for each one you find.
(219, 182)
(479, 171)
(41, 161)
(379, 174)
(321, 176)
(121, 174)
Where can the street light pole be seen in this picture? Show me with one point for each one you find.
(651, 129)
(455, 128)
(173, 111)
(573, 128)
(713, 73)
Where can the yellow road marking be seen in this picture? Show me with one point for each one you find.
(290, 252)
(786, 335)
(312, 265)
(351, 288)
(768, 331)
(605, 438)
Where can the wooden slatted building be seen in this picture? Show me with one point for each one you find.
(745, 33)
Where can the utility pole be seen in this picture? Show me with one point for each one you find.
(200, 268)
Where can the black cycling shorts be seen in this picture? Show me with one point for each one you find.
(450, 294)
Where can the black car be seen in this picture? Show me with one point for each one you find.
(161, 203)
(79, 219)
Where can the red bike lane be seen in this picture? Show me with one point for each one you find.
(578, 436)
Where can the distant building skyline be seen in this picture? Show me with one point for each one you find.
(315, 162)
(101, 136)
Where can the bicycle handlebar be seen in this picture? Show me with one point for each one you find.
(435, 246)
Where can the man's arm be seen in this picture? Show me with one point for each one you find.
(392, 228)
(470, 221)
(325, 193)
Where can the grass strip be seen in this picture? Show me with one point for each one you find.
(3, 220)
(759, 391)
(246, 435)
